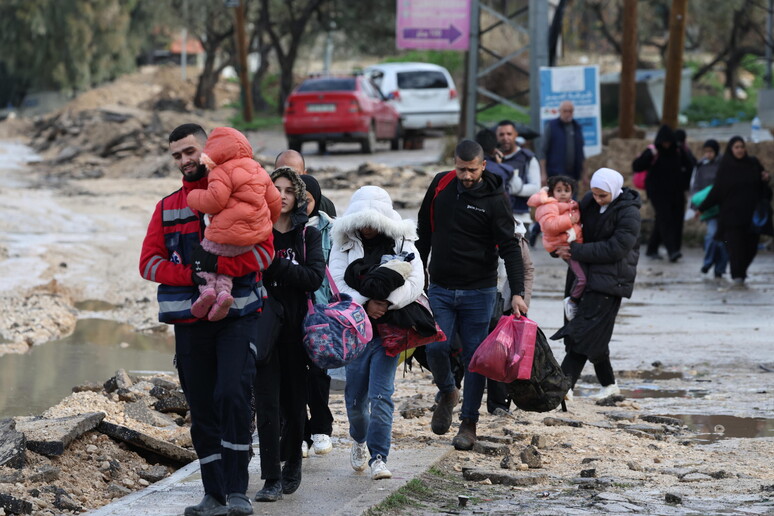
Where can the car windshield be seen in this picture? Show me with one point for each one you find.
(337, 84)
(421, 80)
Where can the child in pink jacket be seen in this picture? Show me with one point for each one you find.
(559, 219)
(242, 205)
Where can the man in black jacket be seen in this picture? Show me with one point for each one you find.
(465, 219)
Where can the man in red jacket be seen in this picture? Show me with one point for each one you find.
(215, 360)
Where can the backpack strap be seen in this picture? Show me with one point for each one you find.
(442, 184)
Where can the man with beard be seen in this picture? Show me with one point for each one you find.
(466, 221)
(526, 170)
(215, 360)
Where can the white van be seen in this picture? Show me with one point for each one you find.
(424, 94)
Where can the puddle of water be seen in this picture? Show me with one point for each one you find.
(710, 428)
(94, 305)
(33, 382)
(655, 392)
(653, 374)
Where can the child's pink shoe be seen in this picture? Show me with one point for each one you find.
(202, 305)
(221, 306)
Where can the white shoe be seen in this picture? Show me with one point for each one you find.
(304, 450)
(607, 391)
(321, 444)
(358, 456)
(570, 309)
(379, 469)
(569, 396)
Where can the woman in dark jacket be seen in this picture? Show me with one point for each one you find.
(280, 385)
(669, 175)
(611, 228)
(739, 185)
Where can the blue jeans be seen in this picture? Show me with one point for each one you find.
(714, 250)
(368, 396)
(466, 312)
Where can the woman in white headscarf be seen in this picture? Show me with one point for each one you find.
(610, 216)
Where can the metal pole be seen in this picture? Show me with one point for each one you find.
(184, 38)
(674, 71)
(471, 81)
(241, 41)
(628, 87)
(769, 42)
(328, 52)
(538, 56)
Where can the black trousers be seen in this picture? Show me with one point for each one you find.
(320, 420)
(216, 368)
(573, 364)
(668, 226)
(742, 246)
(496, 396)
(280, 392)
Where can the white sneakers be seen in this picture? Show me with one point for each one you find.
(570, 309)
(607, 391)
(358, 456)
(304, 450)
(321, 444)
(379, 469)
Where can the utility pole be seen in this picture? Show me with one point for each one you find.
(627, 96)
(674, 70)
(471, 85)
(241, 43)
(184, 40)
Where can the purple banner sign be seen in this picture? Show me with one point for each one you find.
(433, 24)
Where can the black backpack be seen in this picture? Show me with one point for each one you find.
(548, 385)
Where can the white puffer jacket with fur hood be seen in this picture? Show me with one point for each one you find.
(371, 206)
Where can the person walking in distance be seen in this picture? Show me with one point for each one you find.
(702, 180)
(294, 160)
(465, 222)
(215, 360)
(526, 170)
(610, 216)
(563, 146)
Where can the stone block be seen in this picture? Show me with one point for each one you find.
(12, 445)
(154, 473)
(531, 457)
(505, 478)
(562, 421)
(146, 442)
(52, 436)
(492, 449)
(12, 505)
(174, 401)
(539, 441)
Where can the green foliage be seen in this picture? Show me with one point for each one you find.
(450, 59)
(72, 44)
(499, 112)
(706, 108)
(259, 121)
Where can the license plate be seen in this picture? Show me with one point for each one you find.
(321, 108)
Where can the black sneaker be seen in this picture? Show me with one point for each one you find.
(209, 506)
(239, 505)
(675, 256)
(654, 256)
(271, 492)
(705, 269)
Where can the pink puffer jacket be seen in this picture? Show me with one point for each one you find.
(554, 219)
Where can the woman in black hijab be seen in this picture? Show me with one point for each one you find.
(740, 184)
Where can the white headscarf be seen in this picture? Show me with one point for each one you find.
(608, 180)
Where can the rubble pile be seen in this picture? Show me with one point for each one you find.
(100, 443)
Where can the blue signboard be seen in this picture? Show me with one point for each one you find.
(580, 85)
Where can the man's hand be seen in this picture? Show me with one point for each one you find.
(498, 156)
(202, 261)
(518, 305)
(563, 253)
(376, 308)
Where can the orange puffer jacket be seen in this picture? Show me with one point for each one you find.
(554, 219)
(240, 195)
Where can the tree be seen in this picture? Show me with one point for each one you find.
(72, 45)
(285, 24)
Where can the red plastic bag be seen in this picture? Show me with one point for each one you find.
(507, 353)
(396, 340)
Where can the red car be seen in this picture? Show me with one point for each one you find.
(340, 109)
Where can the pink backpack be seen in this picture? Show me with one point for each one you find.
(638, 179)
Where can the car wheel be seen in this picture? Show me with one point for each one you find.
(395, 142)
(322, 147)
(295, 144)
(369, 144)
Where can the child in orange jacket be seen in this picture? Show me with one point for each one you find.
(241, 203)
(559, 219)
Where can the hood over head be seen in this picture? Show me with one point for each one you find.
(665, 134)
(371, 206)
(313, 187)
(225, 144)
(298, 215)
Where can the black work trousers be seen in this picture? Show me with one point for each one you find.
(573, 364)
(216, 365)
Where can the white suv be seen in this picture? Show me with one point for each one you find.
(424, 94)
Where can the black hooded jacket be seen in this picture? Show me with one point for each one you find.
(471, 227)
(670, 174)
(609, 249)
